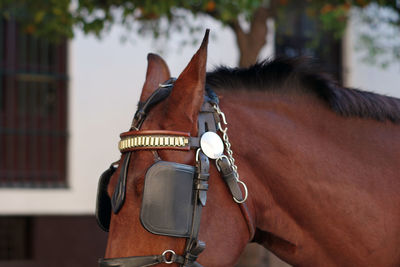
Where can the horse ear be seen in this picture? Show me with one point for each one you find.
(157, 72)
(187, 95)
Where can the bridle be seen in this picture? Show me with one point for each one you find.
(189, 184)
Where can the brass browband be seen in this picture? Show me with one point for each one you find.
(154, 140)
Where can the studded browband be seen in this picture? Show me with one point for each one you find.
(156, 139)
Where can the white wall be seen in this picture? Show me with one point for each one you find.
(106, 77)
(359, 74)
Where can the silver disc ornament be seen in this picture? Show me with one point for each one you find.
(211, 145)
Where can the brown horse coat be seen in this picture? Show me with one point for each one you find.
(323, 175)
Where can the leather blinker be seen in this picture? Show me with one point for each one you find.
(167, 205)
(103, 201)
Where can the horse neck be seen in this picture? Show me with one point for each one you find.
(312, 173)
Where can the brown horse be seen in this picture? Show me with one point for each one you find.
(321, 163)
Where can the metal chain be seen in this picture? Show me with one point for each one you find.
(230, 152)
(226, 139)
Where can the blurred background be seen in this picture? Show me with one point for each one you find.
(71, 73)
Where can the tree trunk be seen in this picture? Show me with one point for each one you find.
(250, 43)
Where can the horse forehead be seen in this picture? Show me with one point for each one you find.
(155, 117)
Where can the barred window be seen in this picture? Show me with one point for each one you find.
(33, 109)
(299, 34)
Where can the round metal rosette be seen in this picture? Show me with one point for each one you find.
(211, 145)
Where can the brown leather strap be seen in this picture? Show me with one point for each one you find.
(249, 220)
(118, 197)
(154, 132)
(193, 245)
(229, 176)
(141, 261)
(157, 96)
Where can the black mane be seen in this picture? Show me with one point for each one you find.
(302, 75)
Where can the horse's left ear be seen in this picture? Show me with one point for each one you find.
(157, 72)
(187, 95)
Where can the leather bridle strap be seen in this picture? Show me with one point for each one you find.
(161, 93)
(118, 197)
(226, 170)
(141, 261)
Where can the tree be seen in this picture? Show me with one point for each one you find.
(55, 18)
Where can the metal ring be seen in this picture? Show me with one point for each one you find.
(246, 193)
(173, 256)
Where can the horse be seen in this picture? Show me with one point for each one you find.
(318, 163)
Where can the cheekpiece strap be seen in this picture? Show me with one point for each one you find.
(226, 169)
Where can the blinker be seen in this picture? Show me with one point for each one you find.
(167, 204)
(103, 202)
(212, 145)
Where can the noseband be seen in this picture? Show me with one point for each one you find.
(174, 194)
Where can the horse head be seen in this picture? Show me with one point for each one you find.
(165, 199)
